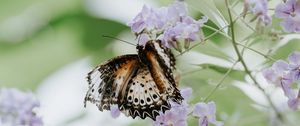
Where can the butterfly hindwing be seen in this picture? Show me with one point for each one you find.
(143, 98)
(108, 82)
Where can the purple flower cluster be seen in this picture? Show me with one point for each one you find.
(206, 114)
(284, 75)
(290, 13)
(169, 24)
(18, 108)
(260, 9)
(178, 114)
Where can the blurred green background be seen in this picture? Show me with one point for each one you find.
(40, 37)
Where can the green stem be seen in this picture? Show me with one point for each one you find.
(260, 53)
(245, 22)
(206, 38)
(220, 82)
(240, 58)
(249, 48)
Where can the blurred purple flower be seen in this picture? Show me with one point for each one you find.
(290, 13)
(294, 66)
(168, 37)
(294, 69)
(169, 16)
(187, 30)
(146, 19)
(143, 39)
(177, 115)
(206, 114)
(156, 19)
(284, 75)
(294, 103)
(278, 75)
(114, 111)
(168, 24)
(186, 93)
(18, 108)
(275, 73)
(260, 9)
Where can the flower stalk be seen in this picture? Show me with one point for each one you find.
(240, 59)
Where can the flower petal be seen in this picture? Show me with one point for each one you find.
(280, 67)
(186, 93)
(114, 111)
(294, 103)
(200, 110)
(143, 39)
(294, 58)
(270, 75)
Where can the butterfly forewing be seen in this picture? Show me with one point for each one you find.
(164, 55)
(161, 70)
(108, 82)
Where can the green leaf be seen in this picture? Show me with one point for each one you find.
(95, 29)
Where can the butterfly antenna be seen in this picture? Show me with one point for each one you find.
(106, 36)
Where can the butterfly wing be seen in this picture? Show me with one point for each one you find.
(108, 82)
(161, 63)
(141, 85)
(163, 54)
(143, 97)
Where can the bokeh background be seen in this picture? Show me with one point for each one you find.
(48, 46)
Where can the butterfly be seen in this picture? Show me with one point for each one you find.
(140, 84)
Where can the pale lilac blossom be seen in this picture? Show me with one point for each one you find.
(206, 114)
(186, 30)
(178, 114)
(294, 103)
(145, 20)
(169, 16)
(278, 75)
(18, 108)
(186, 93)
(143, 39)
(294, 66)
(289, 12)
(260, 9)
(275, 73)
(114, 111)
(169, 24)
(284, 75)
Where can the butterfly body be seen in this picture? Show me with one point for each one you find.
(140, 84)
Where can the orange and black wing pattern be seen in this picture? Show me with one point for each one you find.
(108, 81)
(141, 85)
(161, 64)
